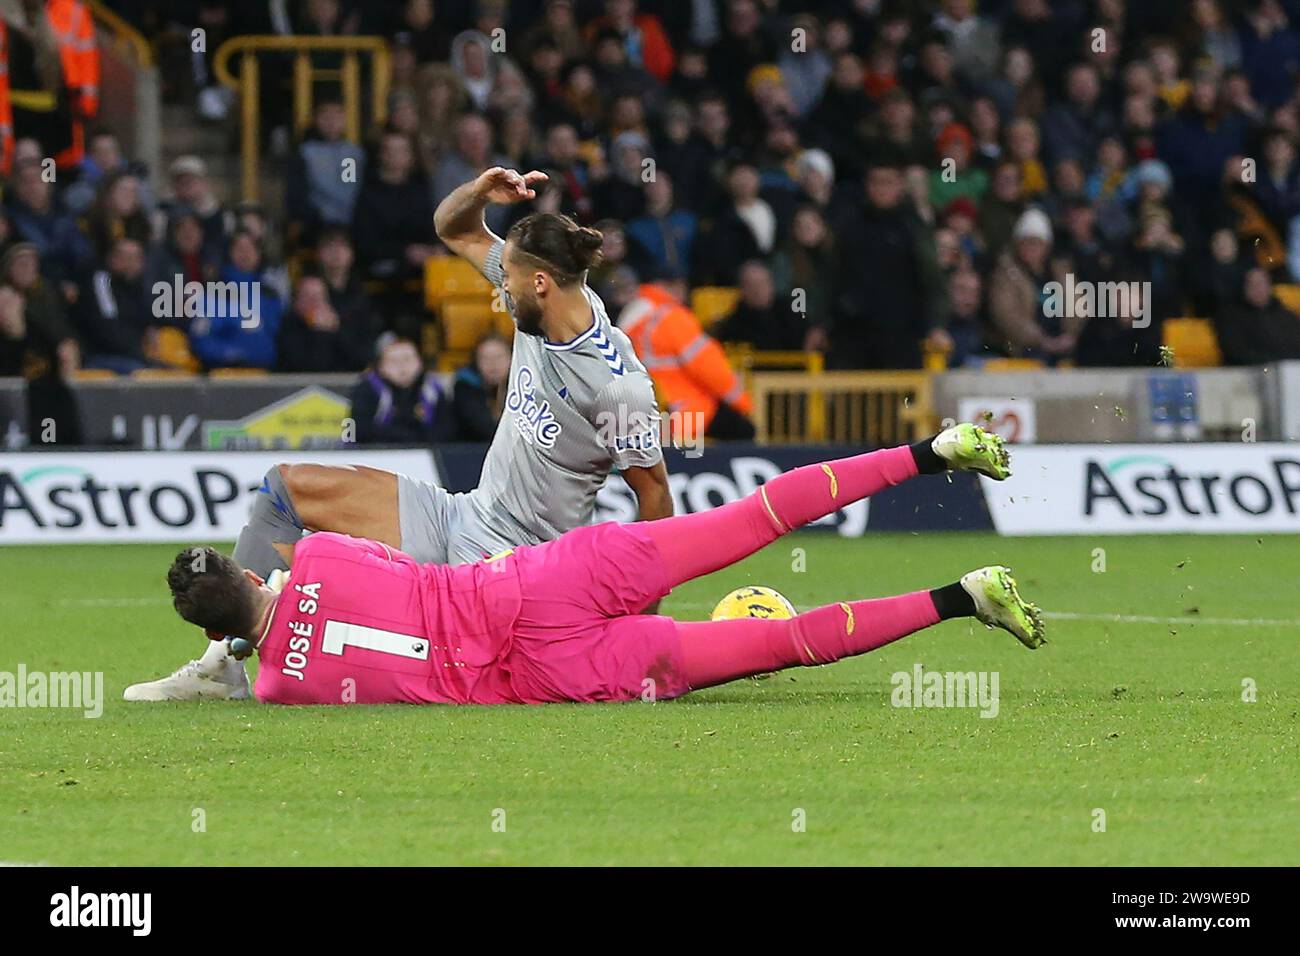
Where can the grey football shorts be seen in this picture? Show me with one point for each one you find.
(443, 527)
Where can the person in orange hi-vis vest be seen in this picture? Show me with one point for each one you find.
(6, 106)
(688, 366)
(74, 28)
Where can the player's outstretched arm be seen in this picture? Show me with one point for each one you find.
(459, 218)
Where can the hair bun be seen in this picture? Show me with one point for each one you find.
(588, 238)
(586, 244)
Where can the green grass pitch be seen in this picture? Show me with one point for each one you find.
(1142, 718)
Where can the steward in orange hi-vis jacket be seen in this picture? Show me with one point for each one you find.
(74, 29)
(688, 366)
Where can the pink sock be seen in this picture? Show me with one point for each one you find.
(716, 652)
(696, 544)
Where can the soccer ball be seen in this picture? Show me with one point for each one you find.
(753, 601)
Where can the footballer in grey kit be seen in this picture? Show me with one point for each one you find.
(572, 410)
(579, 403)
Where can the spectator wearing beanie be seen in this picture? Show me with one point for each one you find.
(1021, 325)
(955, 178)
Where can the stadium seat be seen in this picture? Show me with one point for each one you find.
(447, 277)
(238, 373)
(172, 347)
(934, 358)
(1014, 365)
(1193, 341)
(450, 362)
(464, 322)
(1254, 230)
(1289, 295)
(503, 325)
(94, 375)
(713, 302)
(429, 344)
(159, 374)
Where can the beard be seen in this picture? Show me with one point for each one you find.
(528, 316)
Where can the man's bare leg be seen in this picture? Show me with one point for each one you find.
(348, 499)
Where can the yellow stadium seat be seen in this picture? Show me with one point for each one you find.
(238, 373)
(159, 374)
(448, 277)
(172, 347)
(450, 362)
(713, 302)
(1289, 295)
(1014, 365)
(503, 325)
(94, 375)
(429, 333)
(934, 358)
(1193, 341)
(464, 322)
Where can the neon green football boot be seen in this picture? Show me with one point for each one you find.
(968, 447)
(999, 604)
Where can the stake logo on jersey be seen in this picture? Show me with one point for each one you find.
(583, 407)
(535, 420)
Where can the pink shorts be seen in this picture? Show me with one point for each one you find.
(580, 636)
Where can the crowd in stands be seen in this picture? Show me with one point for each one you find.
(880, 179)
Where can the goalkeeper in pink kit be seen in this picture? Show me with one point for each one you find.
(355, 621)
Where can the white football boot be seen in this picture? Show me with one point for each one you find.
(214, 676)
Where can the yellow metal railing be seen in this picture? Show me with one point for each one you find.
(125, 36)
(746, 360)
(851, 408)
(305, 76)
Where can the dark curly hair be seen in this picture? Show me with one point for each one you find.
(209, 589)
(558, 244)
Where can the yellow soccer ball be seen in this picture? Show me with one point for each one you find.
(753, 601)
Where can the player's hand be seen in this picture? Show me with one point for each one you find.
(504, 186)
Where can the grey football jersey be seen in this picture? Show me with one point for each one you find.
(573, 411)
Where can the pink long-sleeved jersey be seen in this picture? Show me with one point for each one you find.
(357, 622)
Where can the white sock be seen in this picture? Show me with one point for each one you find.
(214, 659)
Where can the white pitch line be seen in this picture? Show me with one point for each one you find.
(1116, 618)
(109, 602)
(1186, 619)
